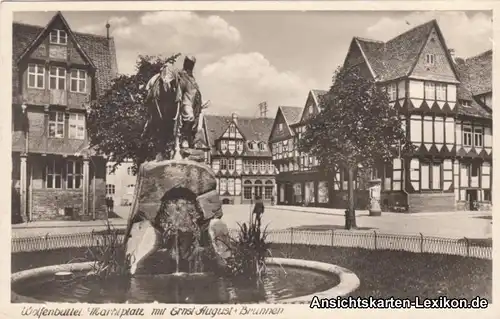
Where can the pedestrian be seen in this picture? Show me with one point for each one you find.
(258, 209)
(108, 204)
(111, 204)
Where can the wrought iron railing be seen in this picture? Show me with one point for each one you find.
(333, 238)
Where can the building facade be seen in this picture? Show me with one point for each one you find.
(56, 72)
(120, 183)
(237, 150)
(446, 107)
(299, 182)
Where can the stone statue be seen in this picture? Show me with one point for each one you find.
(176, 211)
(175, 108)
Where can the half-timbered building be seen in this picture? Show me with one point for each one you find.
(299, 182)
(238, 152)
(56, 72)
(446, 107)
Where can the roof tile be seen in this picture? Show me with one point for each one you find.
(100, 49)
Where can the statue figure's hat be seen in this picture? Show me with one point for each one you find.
(190, 58)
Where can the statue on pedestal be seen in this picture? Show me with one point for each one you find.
(175, 109)
(176, 211)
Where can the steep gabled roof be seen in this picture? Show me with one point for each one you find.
(476, 79)
(317, 95)
(252, 128)
(100, 50)
(45, 32)
(397, 57)
(291, 113)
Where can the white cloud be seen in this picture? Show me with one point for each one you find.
(238, 82)
(468, 34)
(168, 32)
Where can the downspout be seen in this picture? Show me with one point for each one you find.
(26, 150)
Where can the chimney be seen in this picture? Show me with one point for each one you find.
(235, 117)
(107, 30)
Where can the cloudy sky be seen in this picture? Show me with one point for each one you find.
(245, 58)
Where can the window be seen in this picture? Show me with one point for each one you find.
(222, 185)
(280, 127)
(232, 146)
(232, 130)
(467, 140)
(255, 166)
(223, 163)
(487, 195)
(246, 166)
(436, 176)
(58, 37)
(36, 76)
(478, 137)
(262, 165)
(77, 126)
(290, 145)
(392, 91)
(310, 109)
(53, 174)
(268, 190)
(230, 186)
(430, 176)
(465, 103)
(110, 189)
(280, 147)
(230, 164)
(78, 81)
(130, 171)
(475, 168)
(56, 124)
(430, 58)
(109, 169)
(239, 146)
(441, 92)
(223, 145)
(74, 175)
(262, 146)
(247, 190)
(239, 164)
(237, 187)
(250, 145)
(430, 91)
(285, 146)
(57, 78)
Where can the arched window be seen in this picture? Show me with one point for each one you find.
(247, 189)
(268, 189)
(258, 188)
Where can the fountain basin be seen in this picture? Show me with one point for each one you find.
(303, 280)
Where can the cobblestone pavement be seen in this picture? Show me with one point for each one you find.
(447, 224)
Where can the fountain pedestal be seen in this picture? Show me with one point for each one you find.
(193, 185)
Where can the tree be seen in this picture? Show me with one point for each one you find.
(356, 129)
(116, 120)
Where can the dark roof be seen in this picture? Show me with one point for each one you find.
(253, 129)
(100, 49)
(476, 73)
(475, 77)
(291, 113)
(396, 57)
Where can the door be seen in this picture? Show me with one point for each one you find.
(472, 198)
